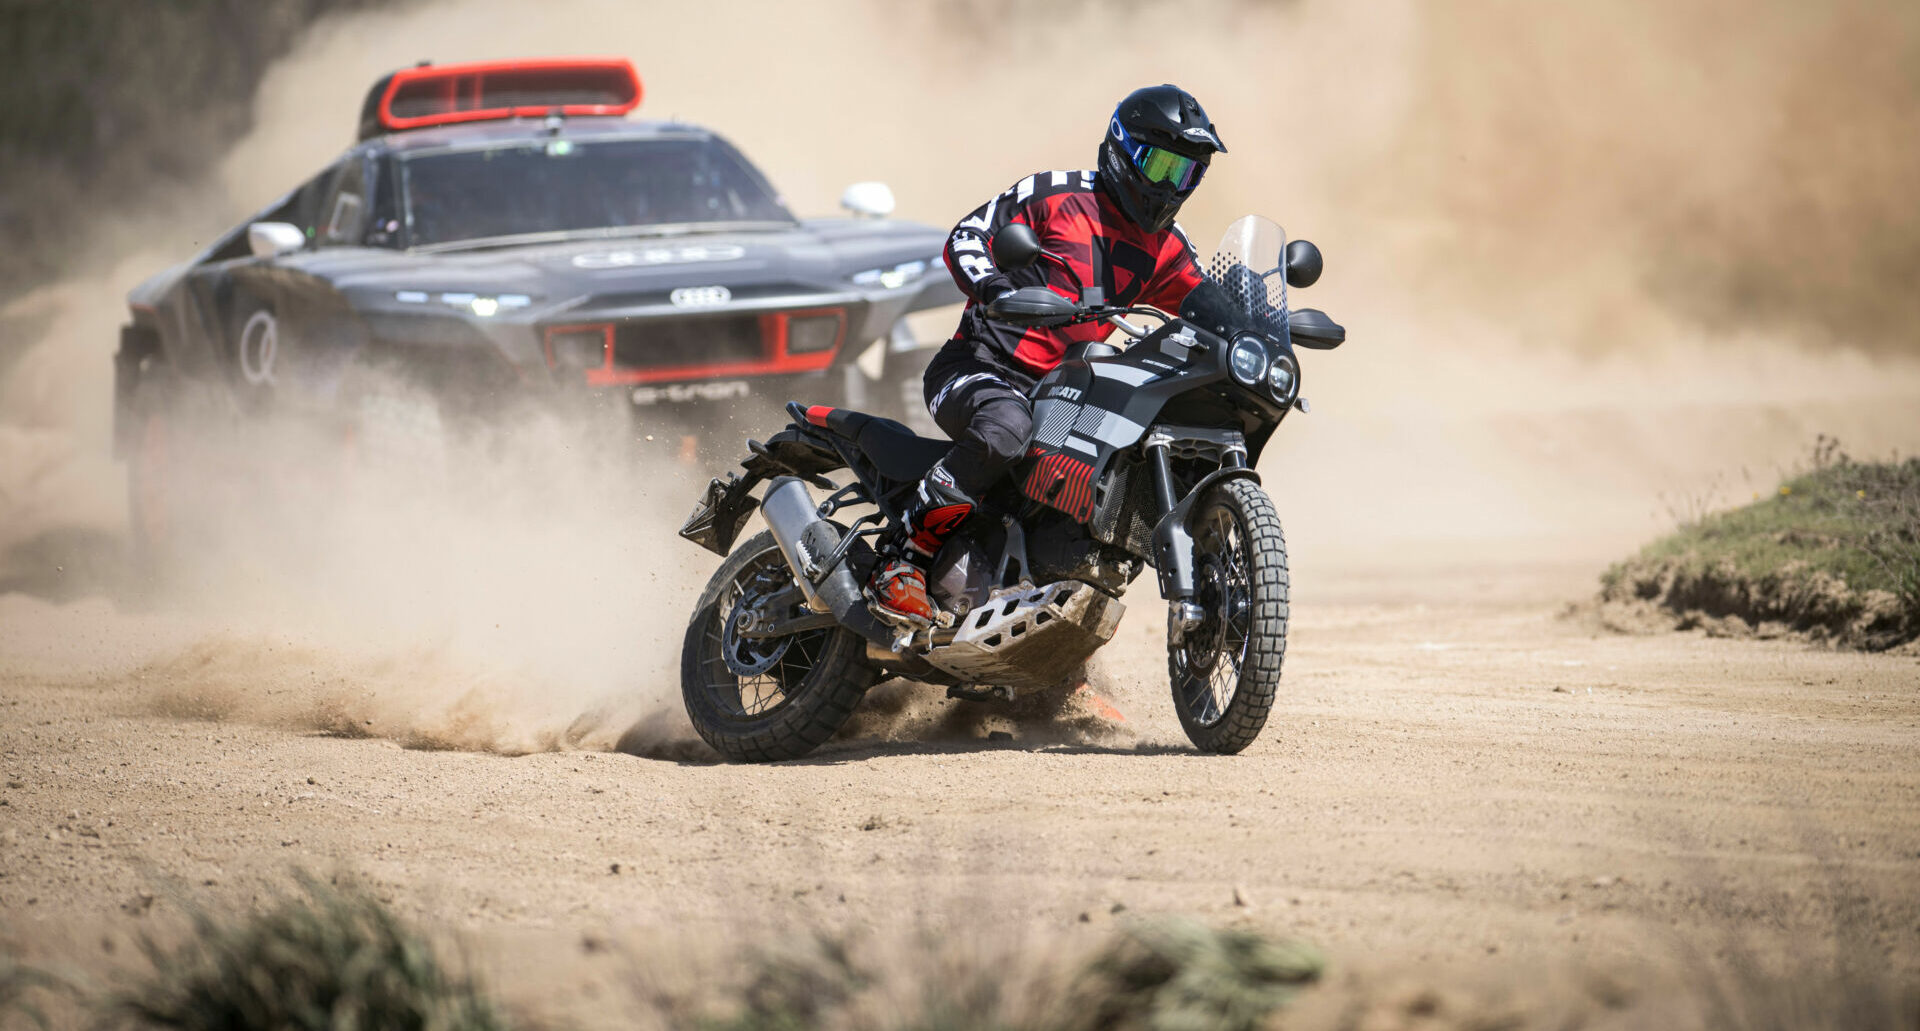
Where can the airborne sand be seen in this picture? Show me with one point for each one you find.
(1538, 230)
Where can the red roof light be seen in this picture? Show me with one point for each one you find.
(414, 98)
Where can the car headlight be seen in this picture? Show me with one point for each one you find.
(1248, 360)
(483, 305)
(1283, 378)
(891, 278)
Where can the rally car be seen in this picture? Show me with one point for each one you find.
(504, 230)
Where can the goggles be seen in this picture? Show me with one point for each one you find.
(1159, 164)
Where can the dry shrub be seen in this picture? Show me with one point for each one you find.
(1162, 975)
(324, 958)
(18, 984)
(1181, 975)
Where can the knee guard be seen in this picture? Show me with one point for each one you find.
(938, 510)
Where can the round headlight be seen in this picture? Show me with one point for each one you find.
(1282, 379)
(1248, 360)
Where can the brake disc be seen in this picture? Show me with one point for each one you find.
(749, 657)
(1203, 642)
(745, 655)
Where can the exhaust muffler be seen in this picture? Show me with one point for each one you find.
(808, 541)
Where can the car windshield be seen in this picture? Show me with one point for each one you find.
(560, 186)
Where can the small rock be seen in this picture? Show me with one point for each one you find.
(1561, 690)
(310, 780)
(1604, 882)
(1241, 898)
(999, 735)
(613, 868)
(16, 784)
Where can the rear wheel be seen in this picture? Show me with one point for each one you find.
(1226, 671)
(760, 700)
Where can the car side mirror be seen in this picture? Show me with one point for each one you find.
(1303, 263)
(1016, 245)
(272, 239)
(868, 200)
(1032, 306)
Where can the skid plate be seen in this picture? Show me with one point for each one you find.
(1030, 639)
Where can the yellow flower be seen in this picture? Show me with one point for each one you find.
(1784, 491)
(1861, 494)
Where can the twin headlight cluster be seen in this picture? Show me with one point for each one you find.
(1250, 364)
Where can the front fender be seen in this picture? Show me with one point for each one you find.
(1173, 536)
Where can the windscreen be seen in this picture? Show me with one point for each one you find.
(1250, 266)
(561, 186)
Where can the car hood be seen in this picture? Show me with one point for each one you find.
(820, 255)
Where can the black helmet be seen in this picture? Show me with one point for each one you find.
(1156, 149)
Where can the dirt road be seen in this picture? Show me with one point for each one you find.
(1459, 774)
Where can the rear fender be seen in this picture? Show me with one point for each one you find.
(727, 504)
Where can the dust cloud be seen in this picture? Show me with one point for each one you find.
(1590, 257)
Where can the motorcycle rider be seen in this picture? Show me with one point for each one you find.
(1114, 225)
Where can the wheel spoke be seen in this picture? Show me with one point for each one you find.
(782, 663)
(1210, 662)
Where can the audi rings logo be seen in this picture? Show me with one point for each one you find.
(259, 344)
(640, 257)
(700, 296)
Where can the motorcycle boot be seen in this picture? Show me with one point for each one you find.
(898, 591)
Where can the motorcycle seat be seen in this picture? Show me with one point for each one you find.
(896, 451)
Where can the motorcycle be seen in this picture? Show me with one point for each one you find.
(1141, 456)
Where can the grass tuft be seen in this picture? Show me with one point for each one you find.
(1164, 975)
(18, 984)
(324, 959)
(1834, 552)
(1181, 975)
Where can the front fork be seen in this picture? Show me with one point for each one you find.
(1173, 535)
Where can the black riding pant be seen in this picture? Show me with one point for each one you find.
(982, 404)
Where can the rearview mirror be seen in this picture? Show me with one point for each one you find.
(272, 239)
(1016, 246)
(1032, 306)
(1303, 264)
(871, 200)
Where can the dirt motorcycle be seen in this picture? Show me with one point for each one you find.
(1141, 456)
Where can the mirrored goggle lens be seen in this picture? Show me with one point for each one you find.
(1164, 166)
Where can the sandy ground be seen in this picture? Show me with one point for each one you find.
(1460, 775)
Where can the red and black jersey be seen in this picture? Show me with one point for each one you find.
(1077, 220)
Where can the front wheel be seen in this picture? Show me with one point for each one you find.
(761, 700)
(1226, 671)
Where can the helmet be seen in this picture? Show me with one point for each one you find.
(1157, 147)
